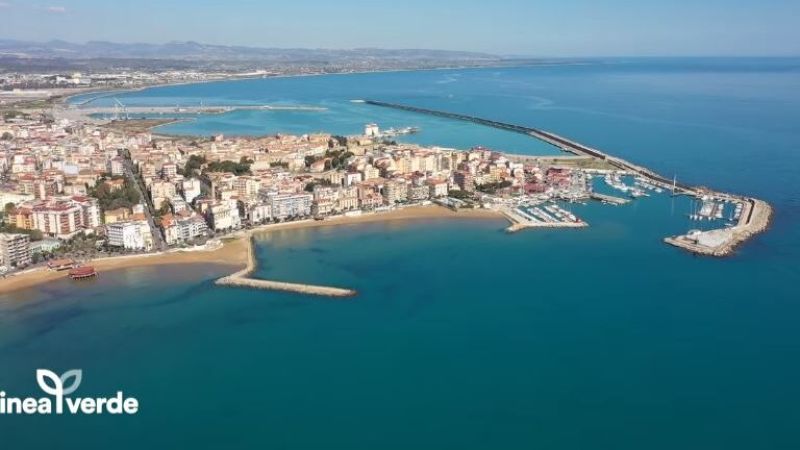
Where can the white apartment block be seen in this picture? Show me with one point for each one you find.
(224, 215)
(259, 212)
(291, 205)
(191, 189)
(134, 235)
(182, 230)
(15, 250)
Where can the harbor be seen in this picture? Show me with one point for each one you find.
(609, 199)
(542, 216)
(751, 216)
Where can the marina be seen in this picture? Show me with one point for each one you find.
(609, 199)
(542, 216)
(754, 216)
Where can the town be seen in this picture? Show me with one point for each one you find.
(74, 191)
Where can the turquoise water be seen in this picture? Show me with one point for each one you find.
(463, 336)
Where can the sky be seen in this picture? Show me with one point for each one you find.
(507, 27)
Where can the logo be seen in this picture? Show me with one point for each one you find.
(61, 402)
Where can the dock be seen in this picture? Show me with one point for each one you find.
(755, 218)
(720, 242)
(520, 221)
(243, 278)
(610, 199)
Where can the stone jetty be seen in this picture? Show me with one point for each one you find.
(242, 279)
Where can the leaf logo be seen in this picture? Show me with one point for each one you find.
(56, 384)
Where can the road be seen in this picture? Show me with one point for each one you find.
(158, 239)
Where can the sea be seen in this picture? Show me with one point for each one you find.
(461, 336)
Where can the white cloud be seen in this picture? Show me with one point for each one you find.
(4, 4)
(56, 9)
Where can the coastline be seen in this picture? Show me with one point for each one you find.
(105, 92)
(234, 251)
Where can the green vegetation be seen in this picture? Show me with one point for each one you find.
(459, 194)
(13, 114)
(80, 246)
(125, 197)
(35, 235)
(240, 168)
(491, 188)
(7, 136)
(338, 159)
(309, 160)
(166, 208)
(340, 141)
(193, 165)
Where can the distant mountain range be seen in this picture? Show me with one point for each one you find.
(194, 51)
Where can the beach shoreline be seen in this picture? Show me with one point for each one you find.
(234, 251)
(235, 77)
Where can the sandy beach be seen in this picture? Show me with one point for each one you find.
(234, 249)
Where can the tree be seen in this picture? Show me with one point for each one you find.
(165, 209)
(310, 159)
(35, 235)
(491, 188)
(240, 168)
(455, 193)
(338, 158)
(340, 141)
(194, 163)
(7, 136)
(124, 197)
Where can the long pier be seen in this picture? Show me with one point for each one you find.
(520, 221)
(609, 199)
(242, 279)
(754, 219)
(561, 142)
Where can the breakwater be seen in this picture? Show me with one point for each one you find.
(242, 279)
(719, 242)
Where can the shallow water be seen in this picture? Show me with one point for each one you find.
(463, 336)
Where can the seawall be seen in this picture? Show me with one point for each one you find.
(242, 279)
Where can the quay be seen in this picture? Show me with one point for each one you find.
(610, 199)
(721, 242)
(754, 219)
(242, 279)
(520, 221)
